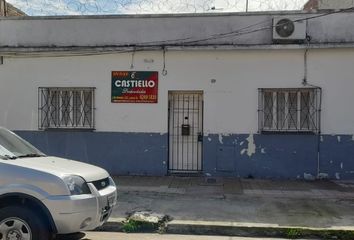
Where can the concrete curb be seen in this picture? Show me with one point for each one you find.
(241, 229)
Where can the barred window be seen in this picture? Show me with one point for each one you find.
(70, 108)
(289, 110)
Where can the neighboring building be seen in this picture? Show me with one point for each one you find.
(8, 10)
(247, 95)
(13, 11)
(311, 5)
(328, 4)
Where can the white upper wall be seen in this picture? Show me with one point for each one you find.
(230, 104)
(142, 30)
(123, 30)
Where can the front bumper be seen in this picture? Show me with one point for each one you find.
(82, 212)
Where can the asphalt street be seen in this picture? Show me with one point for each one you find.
(130, 236)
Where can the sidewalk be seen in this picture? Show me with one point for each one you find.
(231, 202)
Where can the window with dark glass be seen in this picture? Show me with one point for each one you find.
(289, 110)
(66, 108)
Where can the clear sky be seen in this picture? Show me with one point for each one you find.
(87, 7)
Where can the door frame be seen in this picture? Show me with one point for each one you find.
(189, 172)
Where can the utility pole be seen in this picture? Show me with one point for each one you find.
(2, 14)
(246, 5)
(3, 8)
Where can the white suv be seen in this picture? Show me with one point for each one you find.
(41, 196)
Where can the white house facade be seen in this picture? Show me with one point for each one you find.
(261, 95)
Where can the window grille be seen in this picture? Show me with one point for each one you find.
(68, 108)
(289, 110)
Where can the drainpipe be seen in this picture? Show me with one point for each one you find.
(319, 105)
(319, 135)
(2, 14)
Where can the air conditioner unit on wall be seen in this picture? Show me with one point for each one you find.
(288, 30)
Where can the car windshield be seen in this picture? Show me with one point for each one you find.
(12, 146)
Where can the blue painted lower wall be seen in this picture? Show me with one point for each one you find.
(118, 153)
(261, 156)
(238, 155)
(337, 156)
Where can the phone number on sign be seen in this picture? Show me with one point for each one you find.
(148, 97)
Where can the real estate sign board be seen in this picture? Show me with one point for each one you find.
(134, 87)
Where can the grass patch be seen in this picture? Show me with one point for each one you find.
(132, 226)
(293, 233)
(296, 233)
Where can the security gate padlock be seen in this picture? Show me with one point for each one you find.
(200, 137)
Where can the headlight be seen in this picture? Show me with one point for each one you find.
(76, 185)
(111, 181)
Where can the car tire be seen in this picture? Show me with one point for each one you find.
(19, 222)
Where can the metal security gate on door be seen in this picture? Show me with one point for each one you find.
(185, 132)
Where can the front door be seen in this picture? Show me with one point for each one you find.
(185, 131)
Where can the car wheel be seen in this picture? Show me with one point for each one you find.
(20, 223)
